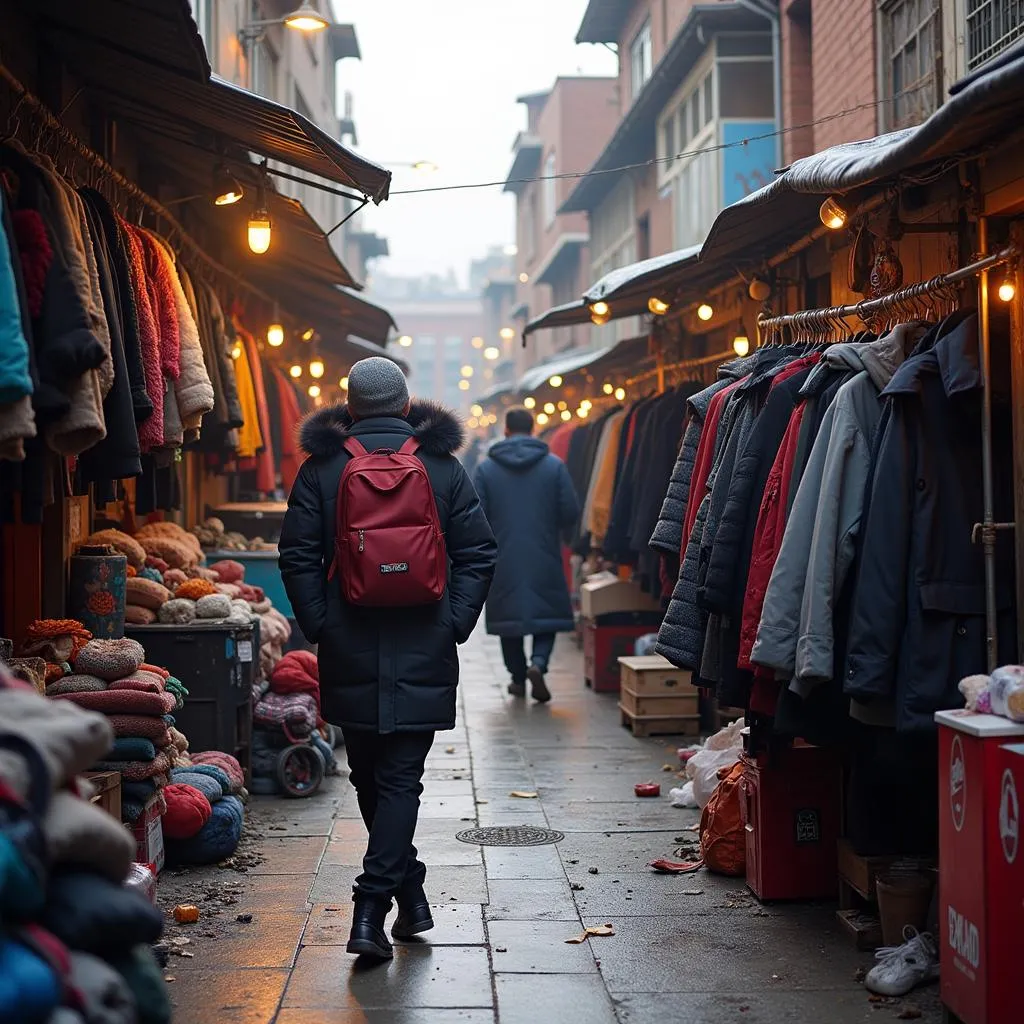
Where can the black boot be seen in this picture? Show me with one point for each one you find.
(367, 937)
(413, 914)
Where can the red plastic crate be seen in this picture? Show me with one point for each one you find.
(604, 642)
(792, 809)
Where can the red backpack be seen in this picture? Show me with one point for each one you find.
(388, 544)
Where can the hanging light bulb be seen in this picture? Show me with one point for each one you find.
(492, 353)
(295, 370)
(477, 342)
(236, 351)
(476, 410)
(259, 224)
(524, 278)
(405, 341)
(566, 415)
(463, 384)
(620, 394)
(308, 334)
(832, 214)
(549, 408)
(555, 381)
(705, 311)
(306, 18)
(542, 418)
(600, 312)
(314, 391)
(507, 333)
(582, 413)
(529, 402)
(656, 306)
(608, 388)
(343, 383)
(587, 404)
(472, 423)
(563, 405)
(226, 189)
(741, 343)
(1007, 288)
(316, 368)
(275, 335)
(467, 371)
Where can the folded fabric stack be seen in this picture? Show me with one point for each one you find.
(74, 940)
(203, 823)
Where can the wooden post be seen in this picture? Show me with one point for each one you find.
(1017, 386)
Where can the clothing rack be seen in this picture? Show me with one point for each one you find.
(177, 234)
(831, 319)
(685, 364)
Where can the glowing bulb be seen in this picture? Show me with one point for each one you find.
(491, 353)
(463, 385)
(308, 334)
(832, 215)
(259, 231)
(1007, 289)
(741, 344)
(343, 383)
(704, 311)
(620, 393)
(236, 351)
(405, 341)
(316, 368)
(476, 410)
(656, 306)
(566, 415)
(467, 371)
(555, 381)
(314, 391)
(563, 405)
(472, 423)
(295, 370)
(586, 404)
(477, 343)
(542, 418)
(507, 333)
(275, 335)
(608, 388)
(600, 313)
(524, 278)
(306, 19)
(529, 402)
(549, 408)
(582, 413)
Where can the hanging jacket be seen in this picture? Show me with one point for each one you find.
(385, 669)
(795, 632)
(917, 625)
(15, 381)
(528, 498)
(603, 485)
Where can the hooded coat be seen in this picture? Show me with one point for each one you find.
(528, 497)
(385, 670)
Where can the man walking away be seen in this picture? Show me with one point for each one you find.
(387, 615)
(529, 499)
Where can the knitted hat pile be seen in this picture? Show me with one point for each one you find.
(148, 682)
(206, 784)
(212, 606)
(135, 771)
(123, 702)
(153, 562)
(151, 728)
(136, 615)
(212, 771)
(177, 611)
(55, 640)
(194, 589)
(227, 764)
(146, 593)
(149, 573)
(76, 683)
(229, 570)
(187, 812)
(176, 553)
(132, 748)
(173, 578)
(110, 659)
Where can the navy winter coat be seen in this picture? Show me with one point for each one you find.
(385, 669)
(529, 499)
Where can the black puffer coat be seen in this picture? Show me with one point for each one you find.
(385, 670)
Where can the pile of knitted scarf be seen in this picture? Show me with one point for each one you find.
(74, 938)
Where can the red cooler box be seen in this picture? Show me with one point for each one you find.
(608, 638)
(981, 866)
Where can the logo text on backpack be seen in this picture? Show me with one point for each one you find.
(386, 570)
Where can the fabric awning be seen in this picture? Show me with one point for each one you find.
(981, 112)
(560, 366)
(576, 312)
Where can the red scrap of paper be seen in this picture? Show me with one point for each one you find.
(676, 867)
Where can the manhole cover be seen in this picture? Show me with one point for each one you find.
(510, 835)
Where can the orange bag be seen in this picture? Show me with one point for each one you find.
(723, 842)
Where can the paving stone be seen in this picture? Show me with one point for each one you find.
(561, 998)
(290, 855)
(523, 862)
(271, 939)
(228, 996)
(752, 1008)
(539, 947)
(387, 1016)
(455, 924)
(420, 976)
(532, 899)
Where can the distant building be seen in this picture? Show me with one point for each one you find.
(566, 128)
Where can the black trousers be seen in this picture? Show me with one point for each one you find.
(387, 773)
(513, 650)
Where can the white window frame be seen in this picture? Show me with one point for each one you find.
(976, 13)
(616, 250)
(677, 110)
(925, 93)
(641, 59)
(550, 189)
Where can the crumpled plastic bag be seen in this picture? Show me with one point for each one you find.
(721, 751)
(1007, 692)
(683, 796)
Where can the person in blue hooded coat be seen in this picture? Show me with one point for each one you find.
(529, 499)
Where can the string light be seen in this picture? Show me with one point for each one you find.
(566, 415)
(343, 383)
(316, 368)
(832, 215)
(620, 393)
(587, 404)
(476, 410)
(549, 408)
(563, 405)
(259, 227)
(491, 353)
(608, 388)
(405, 341)
(295, 370)
(467, 371)
(308, 334)
(507, 333)
(477, 342)
(529, 402)
(705, 311)
(314, 391)
(1007, 288)
(600, 313)
(656, 306)
(275, 335)
(582, 413)
(463, 385)
(473, 423)
(542, 418)
(555, 381)
(524, 278)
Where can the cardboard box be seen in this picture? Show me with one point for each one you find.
(606, 594)
(149, 835)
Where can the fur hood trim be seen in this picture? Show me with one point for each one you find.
(438, 429)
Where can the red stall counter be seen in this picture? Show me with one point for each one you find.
(981, 866)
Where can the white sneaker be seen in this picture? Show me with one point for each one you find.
(902, 968)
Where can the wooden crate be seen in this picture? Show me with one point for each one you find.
(108, 792)
(655, 676)
(660, 725)
(648, 705)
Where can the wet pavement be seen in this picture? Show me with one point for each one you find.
(269, 946)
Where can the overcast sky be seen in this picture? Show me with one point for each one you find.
(438, 81)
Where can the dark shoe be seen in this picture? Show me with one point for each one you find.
(517, 689)
(367, 937)
(538, 685)
(413, 915)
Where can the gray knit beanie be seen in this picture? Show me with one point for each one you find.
(377, 387)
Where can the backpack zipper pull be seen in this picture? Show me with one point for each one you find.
(362, 541)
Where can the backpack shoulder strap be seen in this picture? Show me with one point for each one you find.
(411, 447)
(355, 447)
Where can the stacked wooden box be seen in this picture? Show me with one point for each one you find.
(656, 698)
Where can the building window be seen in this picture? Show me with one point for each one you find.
(911, 54)
(641, 59)
(264, 69)
(530, 228)
(550, 191)
(991, 26)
